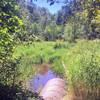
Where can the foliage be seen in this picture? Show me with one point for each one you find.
(83, 16)
(68, 32)
(77, 19)
(83, 64)
(53, 31)
(35, 19)
(9, 26)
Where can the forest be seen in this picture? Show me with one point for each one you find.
(68, 40)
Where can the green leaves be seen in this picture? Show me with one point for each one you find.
(10, 24)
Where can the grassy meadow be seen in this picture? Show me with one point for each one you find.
(78, 63)
(32, 54)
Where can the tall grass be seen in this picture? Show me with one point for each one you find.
(79, 63)
(83, 70)
(32, 54)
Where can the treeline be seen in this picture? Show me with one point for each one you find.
(77, 19)
(39, 23)
(81, 19)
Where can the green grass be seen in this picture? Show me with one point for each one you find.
(48, 51)
(78, 62)
(81, 61)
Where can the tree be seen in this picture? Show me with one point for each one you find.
(68, 32)
(84, 15)
(53, 31)
(10, 25)
(35, 20)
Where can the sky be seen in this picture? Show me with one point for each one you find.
(53, 8)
